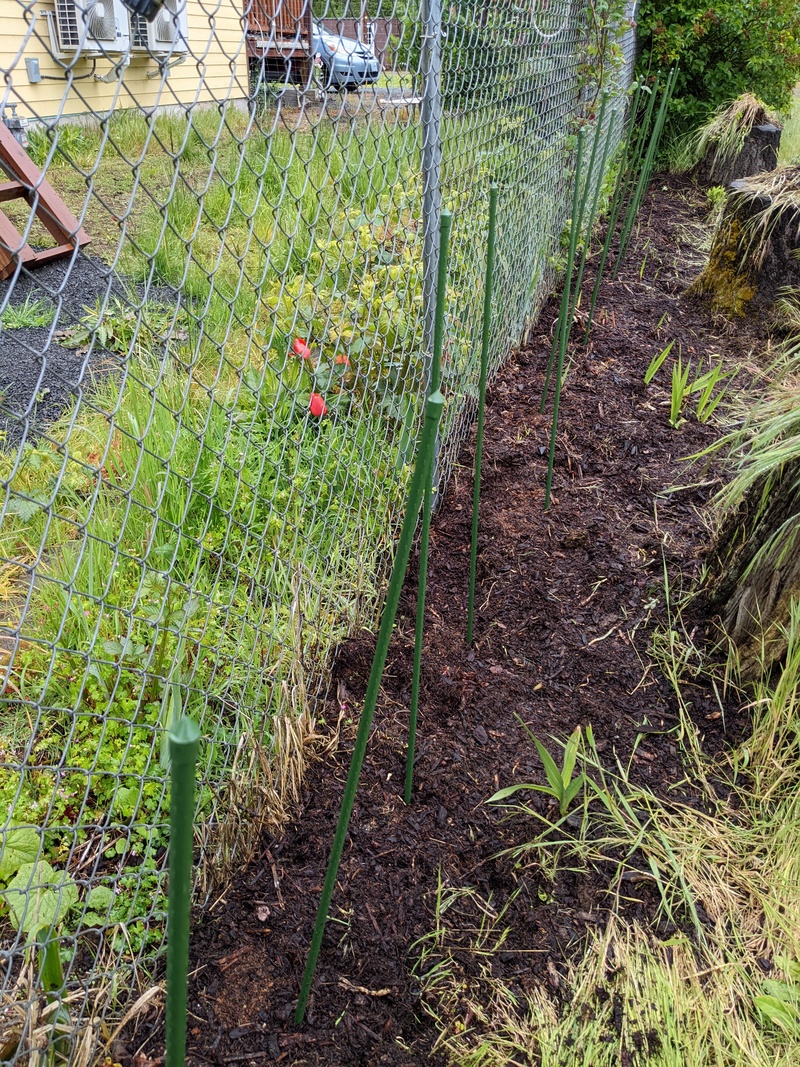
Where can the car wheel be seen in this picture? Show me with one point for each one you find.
(326, 77)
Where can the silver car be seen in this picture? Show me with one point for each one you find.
(346, 64)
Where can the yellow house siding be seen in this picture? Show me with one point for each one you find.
(215, 70)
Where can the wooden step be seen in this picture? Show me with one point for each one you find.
(12, 191)
(28, 184)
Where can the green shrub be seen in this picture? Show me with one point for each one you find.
(723, 50)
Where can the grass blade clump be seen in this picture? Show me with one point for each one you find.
(656, 362)
(726, 131)
(779, 190)
(716, 980)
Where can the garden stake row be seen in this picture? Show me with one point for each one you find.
(424, 542)
(184, 740)
(562, 326)
(585, 223)
(647, 168)
(634, 169)
(590, 221)
(618, 197)
(421, 486)
(488, 287)
(563, 311)
(424, 460)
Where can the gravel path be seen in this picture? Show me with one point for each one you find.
(39, 377)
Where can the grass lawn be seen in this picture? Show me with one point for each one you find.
(790, 141)
(395, 79)
(202, 538)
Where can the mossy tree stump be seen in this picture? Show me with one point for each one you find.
(754, 569)
(758, 153)
(756, 249)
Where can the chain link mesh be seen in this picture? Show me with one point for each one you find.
(208, 412)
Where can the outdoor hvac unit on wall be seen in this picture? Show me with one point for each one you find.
(167, 34)
(91, 27)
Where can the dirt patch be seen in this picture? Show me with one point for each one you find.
(566, 605)
(39, 376)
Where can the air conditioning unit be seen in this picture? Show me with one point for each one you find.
(167, 34)
(91, 27)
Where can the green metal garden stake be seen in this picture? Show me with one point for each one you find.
(488, 288)
(445, 225)
(416, 670)
(562, 348)
(424, 461)
(563, 325)
(576, 292)
(184, 741)
(617, 200)
(425, 534)
(645, 168)
(661, 122)
(640, 144)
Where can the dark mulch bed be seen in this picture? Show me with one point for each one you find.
(567, 601)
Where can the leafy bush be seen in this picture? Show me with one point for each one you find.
(723, 50)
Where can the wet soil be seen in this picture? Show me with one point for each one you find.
(567, 602)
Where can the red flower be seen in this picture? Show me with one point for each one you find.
(317, 406)
(343, 360)
(301, 348)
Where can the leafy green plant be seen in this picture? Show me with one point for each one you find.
(680, 387)
(705, 385)
(20, 845)
(561, 784)
(38, 899)
(121, 326)
(716, 198)
(37, 896)
(33, 312)
(656, 362)
(779, 1003)
(723, 50)
(608, 22)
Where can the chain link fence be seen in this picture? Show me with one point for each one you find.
(218, 245)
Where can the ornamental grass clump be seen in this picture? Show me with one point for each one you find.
(778, 195)
(722, 138)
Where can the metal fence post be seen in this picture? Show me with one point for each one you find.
(184, 741)
(431, 66)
